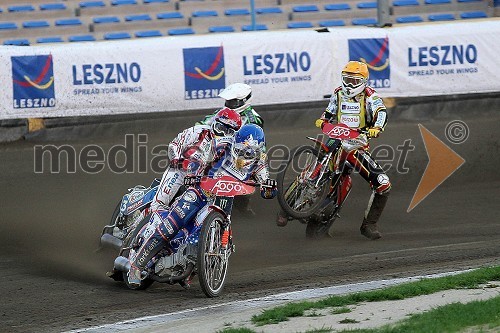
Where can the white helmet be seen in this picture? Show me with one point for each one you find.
(237, 96)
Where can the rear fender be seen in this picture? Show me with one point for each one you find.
(319, 144)
(137, 199)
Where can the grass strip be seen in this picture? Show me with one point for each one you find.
(449, 318)
(406, 290)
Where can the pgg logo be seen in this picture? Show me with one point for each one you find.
(225, 187)
(375, 53)
(204, 72)
(33, 81)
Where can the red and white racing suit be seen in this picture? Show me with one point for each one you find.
(192, 143)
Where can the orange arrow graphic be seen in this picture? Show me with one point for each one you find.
(443, 162)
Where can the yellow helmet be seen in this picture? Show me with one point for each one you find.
(354, 78)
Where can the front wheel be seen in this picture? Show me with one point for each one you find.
(212, 255)
(299, 192)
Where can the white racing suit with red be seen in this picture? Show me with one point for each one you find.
(193, 143)
(364, 111)
(166, 223)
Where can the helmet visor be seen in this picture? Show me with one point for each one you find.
(352, 81)
(223, 129)
(234, 103)
(245, 152)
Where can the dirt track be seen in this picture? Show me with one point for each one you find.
(52, 280)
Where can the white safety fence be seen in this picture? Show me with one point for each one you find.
(188, 72)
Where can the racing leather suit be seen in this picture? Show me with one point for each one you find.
(192, 143)
(164, 225)
(363, 111)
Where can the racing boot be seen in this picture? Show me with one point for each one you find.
(151, 241)
(375, 207)
(281, 219)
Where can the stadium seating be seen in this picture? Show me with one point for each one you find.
(53, 21)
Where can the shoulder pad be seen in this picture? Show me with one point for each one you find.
(369, 91)
(339, 88)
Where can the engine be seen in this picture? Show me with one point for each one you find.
(177, 262)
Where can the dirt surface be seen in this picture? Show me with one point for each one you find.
(52, 280)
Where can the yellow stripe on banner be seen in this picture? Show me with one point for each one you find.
(35, 124)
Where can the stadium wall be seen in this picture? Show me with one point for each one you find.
(187, 73)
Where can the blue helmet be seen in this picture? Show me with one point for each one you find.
(249, 143)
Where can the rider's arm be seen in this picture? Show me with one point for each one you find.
(330, 114)
(252, 117)
(182, 141)
(377, 110)
(268, 189)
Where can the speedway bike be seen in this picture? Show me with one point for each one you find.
(315, 181)
(201, 248)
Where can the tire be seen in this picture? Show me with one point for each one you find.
(284, 179)
(212, 269)
(128, 240)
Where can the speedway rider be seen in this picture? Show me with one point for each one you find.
(357, 105)
(243, 159)
(238, 97)
(193, 143)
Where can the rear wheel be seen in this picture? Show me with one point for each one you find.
(298, 194)
(212, 255)
(128, 241)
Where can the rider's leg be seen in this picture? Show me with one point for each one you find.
(170, 183)
(371, 171)
(162, 227)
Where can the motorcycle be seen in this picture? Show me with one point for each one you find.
(202, 247)
(315, 182)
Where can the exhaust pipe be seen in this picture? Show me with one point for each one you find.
(174, 279)
(111, 241)
(122, 264)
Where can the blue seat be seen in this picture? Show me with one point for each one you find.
(155, 1)
(269, 10)
(148, 33)
(68, 22)
(299, 25)
(35, 24)
(367, 5)
(364, 21)
(204, 13)
(409, 19)
(81, 38)
(17, 42)
(221, 28)
(123, 2)
(469, 0)
(249, 27)
(116, 35)
(496, 3)
(92, 4)
(43, 40)
(180, 31)
(473, 15)
(331, 23)
(437, 2)
(169, 15)
(338, 6)
(139, 17)
(441, 17)
(53, 6)
(8, 26)
(405, 3)
(237, 12)
(22, 8)
(105, 19)
(305, 8)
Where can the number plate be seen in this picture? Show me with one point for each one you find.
(225, 203)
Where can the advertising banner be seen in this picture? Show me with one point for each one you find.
(188, 72)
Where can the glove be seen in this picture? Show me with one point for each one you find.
(268, 189)
(190, 181)
(374, 132)
(319, 123)
(177, 163)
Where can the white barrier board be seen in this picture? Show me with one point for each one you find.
(188, 72)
